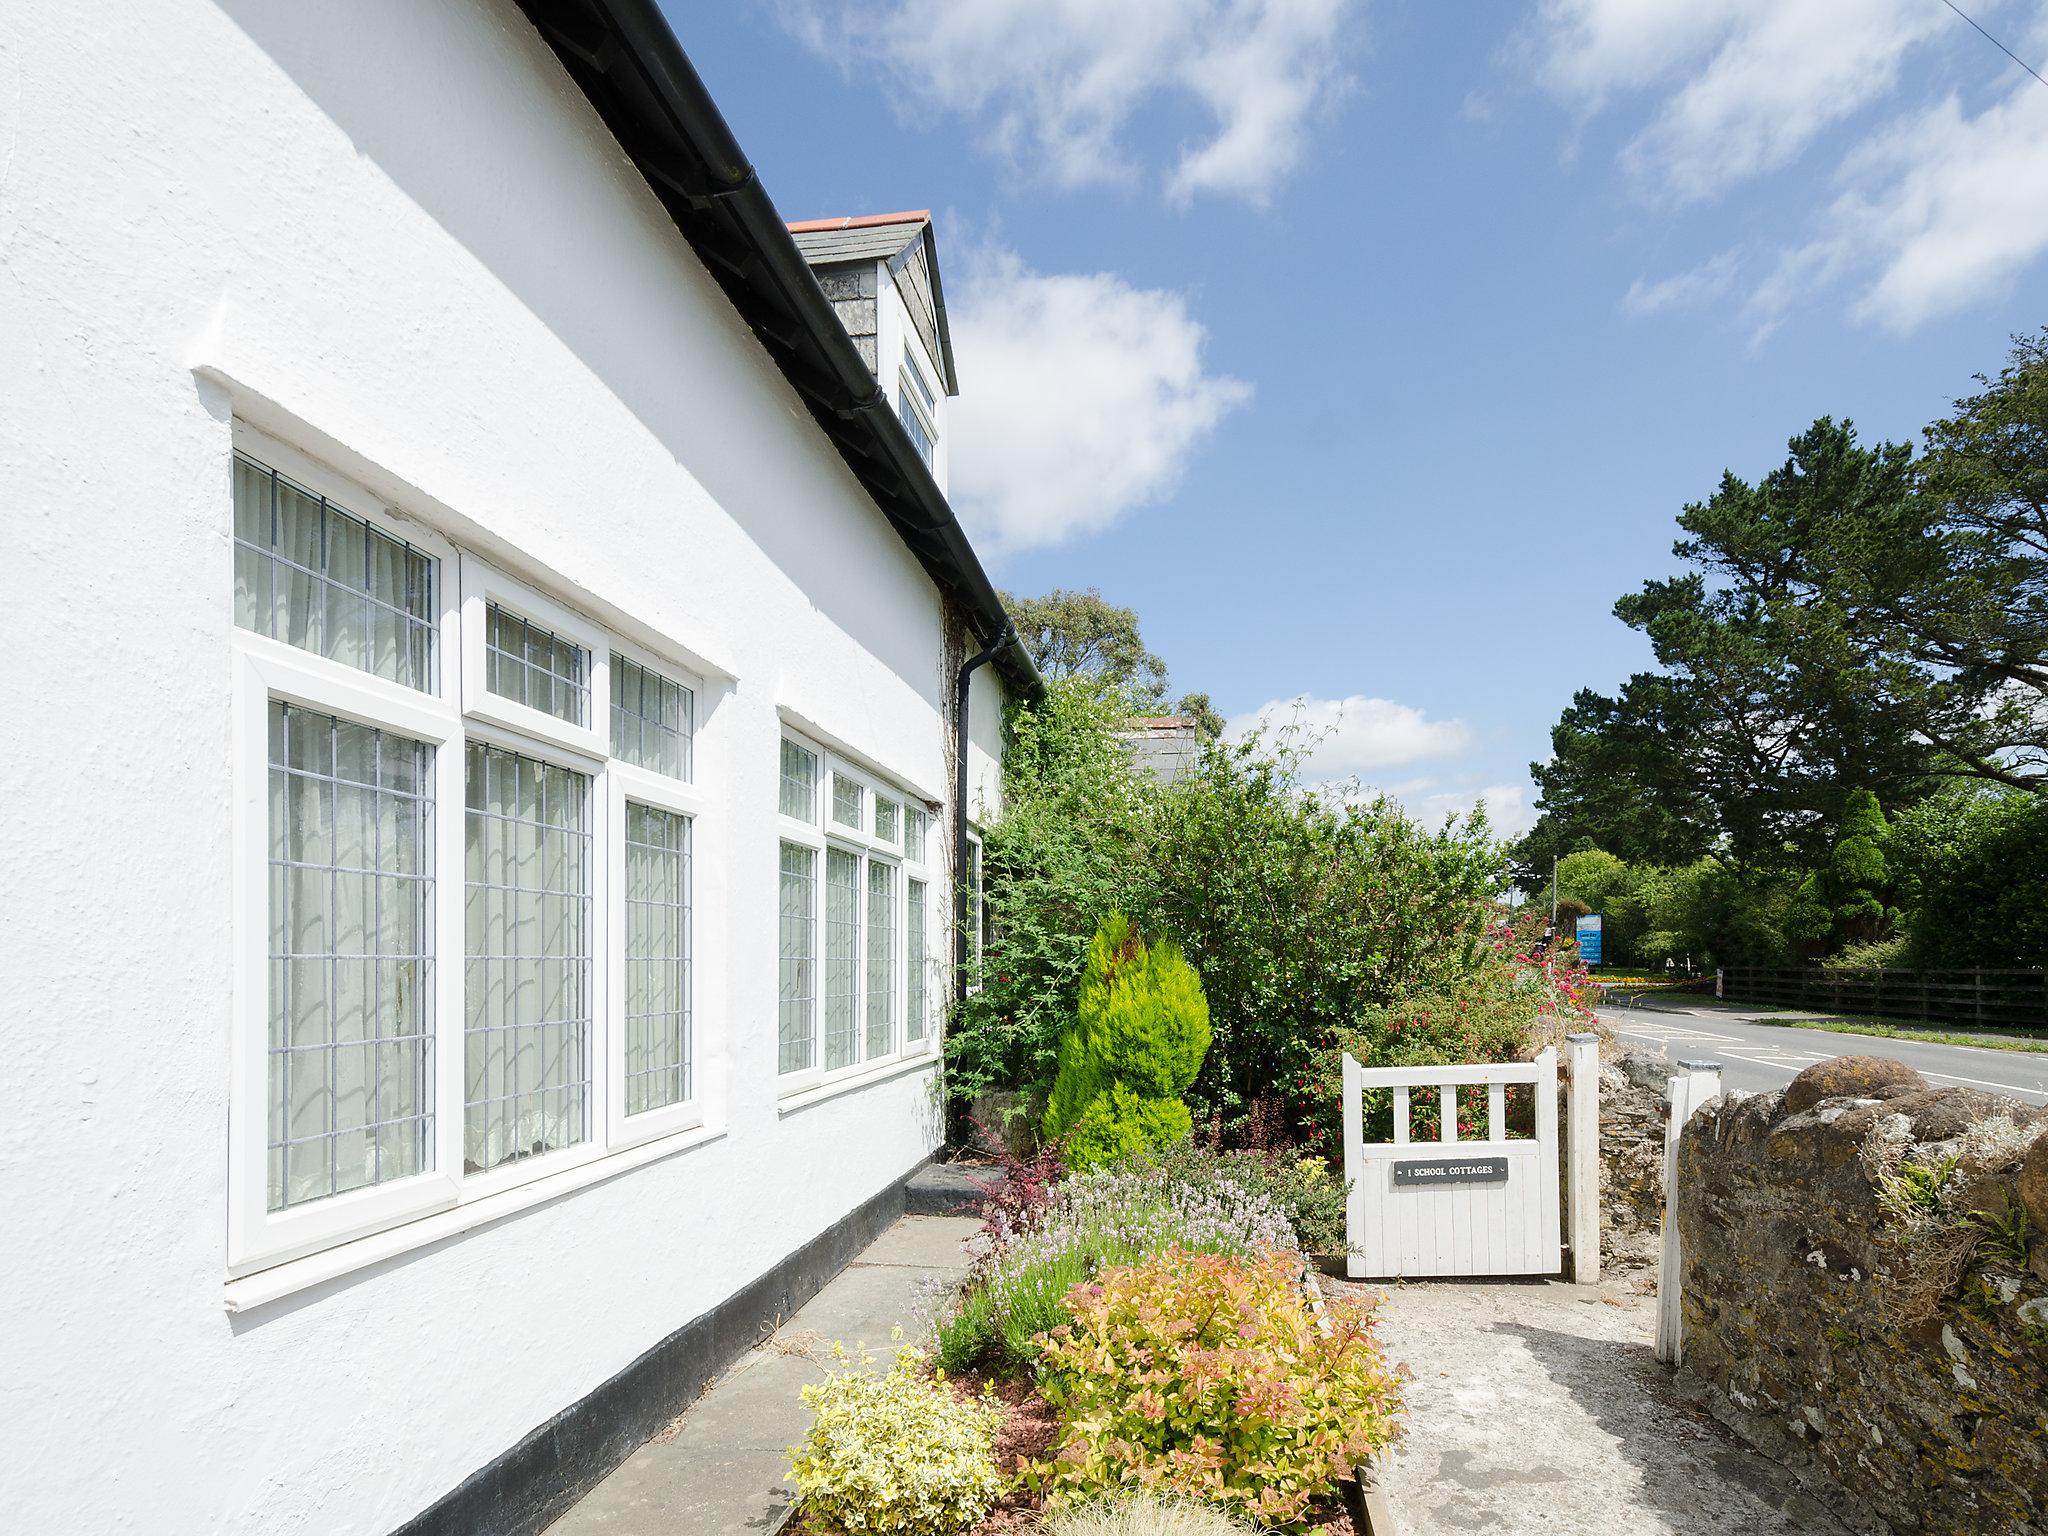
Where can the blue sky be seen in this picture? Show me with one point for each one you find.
(1368, 348)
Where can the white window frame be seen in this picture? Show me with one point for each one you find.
(977, 929)
(490, 1181)
(258, 1236)
(625, 781)
(821, 834)
(335, 1233)
(483, 584)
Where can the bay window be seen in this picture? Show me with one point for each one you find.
(854, 946)
(464, 894)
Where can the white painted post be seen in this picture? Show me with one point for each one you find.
(1582, 1184)
(1700, 1081)
(1551, 1240)
(1354, 1165)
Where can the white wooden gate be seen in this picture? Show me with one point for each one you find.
(1452, 1207)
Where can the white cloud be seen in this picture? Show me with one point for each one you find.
(1054, 84)
(1938, 212)
(1508, 811)
(1082, 398)
(1684, 290)
(1754, 81)
(1935, 208)
(1355, 736)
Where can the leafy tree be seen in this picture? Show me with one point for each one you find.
(1300, 909)
(1083, 634)
(1139, 1033)
(1965, 607)
(1843, 902)
(1066, 852)
(1196, 706)
(1857, 619)
(1972, 870)
(1769, 707)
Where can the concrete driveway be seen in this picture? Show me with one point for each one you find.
(1538, 1408)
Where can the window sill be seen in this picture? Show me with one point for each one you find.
(854, 1081)
(268, 1285)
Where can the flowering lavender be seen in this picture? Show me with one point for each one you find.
(1024, 1267)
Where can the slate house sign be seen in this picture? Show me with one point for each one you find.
(1436, 1172)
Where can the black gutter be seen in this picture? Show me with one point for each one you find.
(627, 62)
(962, 917)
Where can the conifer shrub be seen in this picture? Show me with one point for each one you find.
(1139, 1033)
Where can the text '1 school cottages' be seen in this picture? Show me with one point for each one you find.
(510, 703)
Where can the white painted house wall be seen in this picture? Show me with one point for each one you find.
(395, 235)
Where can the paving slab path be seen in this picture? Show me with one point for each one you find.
(1539, 1409)
(718, 1469)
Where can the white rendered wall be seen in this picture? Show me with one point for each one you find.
(400, 225)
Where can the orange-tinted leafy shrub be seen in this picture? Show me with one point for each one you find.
(1206, 1375)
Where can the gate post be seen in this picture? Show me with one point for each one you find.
(1582, 1182)
(1701, 1081)
(1354, 1169)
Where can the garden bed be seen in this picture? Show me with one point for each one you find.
(1029, 1426)
(1148, 1328)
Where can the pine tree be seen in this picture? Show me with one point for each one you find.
(1843, 902)
(1139, 1033)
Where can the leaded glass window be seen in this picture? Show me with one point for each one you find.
(914, 919)
(657, 1043)
(881, 958)
(842, 958)
(535, 667)
(527, 987)
(350, 1054)
(797, 1007)
(799, 782)
(652, 719)
(320, 578)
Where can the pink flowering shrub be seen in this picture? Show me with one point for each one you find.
(1206, 1375)
(1503, 1013)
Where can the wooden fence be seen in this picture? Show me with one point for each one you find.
(1992, 998)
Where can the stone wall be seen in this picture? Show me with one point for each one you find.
(1867, 1329)
(1635, 1106)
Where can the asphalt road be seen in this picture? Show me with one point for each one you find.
(1759, 1057)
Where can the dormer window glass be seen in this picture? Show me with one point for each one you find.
(918, 408)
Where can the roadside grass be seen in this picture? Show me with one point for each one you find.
(2004, 1040)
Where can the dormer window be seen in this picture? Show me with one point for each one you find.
(880, 273)
(918, 408)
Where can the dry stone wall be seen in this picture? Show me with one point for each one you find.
(1866, 1294)
(1635, 1106)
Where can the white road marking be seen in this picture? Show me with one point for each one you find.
(1950, 1077)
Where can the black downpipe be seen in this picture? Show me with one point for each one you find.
(1005, 637)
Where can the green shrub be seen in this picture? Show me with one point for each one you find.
(1298, 909)
(1206, 1376)
(1140, 1031)
(1493, 1021)
(1063, 855)
(896, 1451)
(1118, 1215)
(1972, 866)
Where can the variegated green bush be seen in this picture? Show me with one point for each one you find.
(896, 1452)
